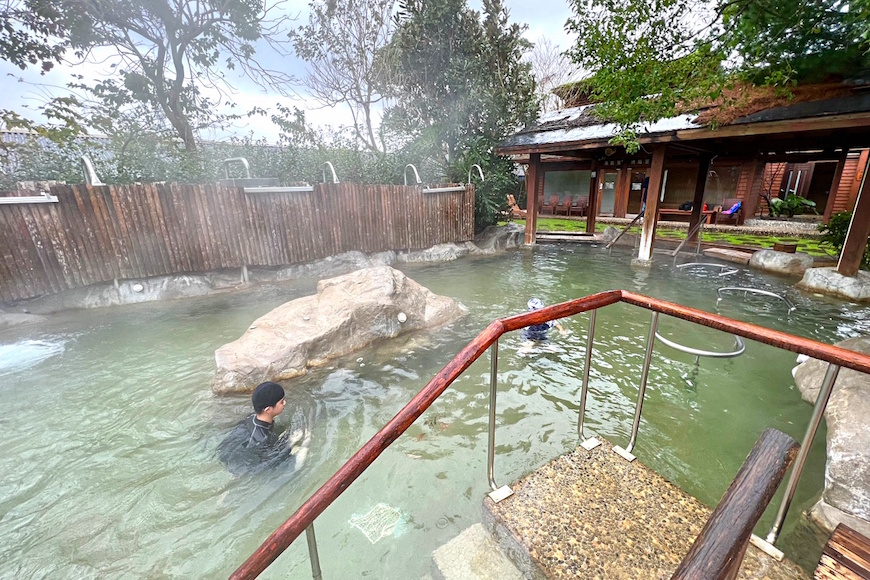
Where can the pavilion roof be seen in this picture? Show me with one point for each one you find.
(760, 108)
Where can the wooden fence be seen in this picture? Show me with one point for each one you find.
(97, 234)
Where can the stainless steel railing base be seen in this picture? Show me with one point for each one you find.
(627, 455)
(501, 493)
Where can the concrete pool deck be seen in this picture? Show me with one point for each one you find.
(591, 514)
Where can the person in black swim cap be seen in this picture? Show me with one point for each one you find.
(253, 440)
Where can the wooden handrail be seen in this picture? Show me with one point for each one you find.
(282, 537)
(719, 549)
(826, 352)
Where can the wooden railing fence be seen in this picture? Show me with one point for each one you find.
(98, 234)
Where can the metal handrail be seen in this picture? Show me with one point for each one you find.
(789, 303)
(723, 269)
(305, 515)
(695, 230)
(739, 348)
(622, 233)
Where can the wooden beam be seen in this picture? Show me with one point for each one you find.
(753, 186)
(592, 211)
(656, 180)
(859, 229)
(835, 186)
(532, 193)
(698, 199)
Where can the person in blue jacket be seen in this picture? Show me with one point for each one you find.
(539, 331)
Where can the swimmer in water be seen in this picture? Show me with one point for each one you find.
(538, 332)
(253, 442)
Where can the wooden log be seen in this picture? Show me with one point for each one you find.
(157, 195)
(96, 257)
(161, 236)
(718, 550)
(64, 219)
(120, 213)
(137, 231)
(181, 222)
(107, 236)
(14, 287)
(52, 254)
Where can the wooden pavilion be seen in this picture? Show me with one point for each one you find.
(815, 148)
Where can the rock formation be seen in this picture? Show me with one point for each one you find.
(847, 472)
(781, 262)
(829, 281)
(348, 313)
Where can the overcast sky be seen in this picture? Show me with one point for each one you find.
(23, 91)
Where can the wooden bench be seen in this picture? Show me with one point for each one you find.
(846, 556)
(685, 214)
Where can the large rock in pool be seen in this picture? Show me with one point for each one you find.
(348, 313)
(846, 498)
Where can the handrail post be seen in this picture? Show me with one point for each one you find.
(650, 342)
(593, 442)
(816, 418)
(493, 388)
(312, 552)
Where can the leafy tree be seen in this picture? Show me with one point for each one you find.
(655, 58)
(461, 85)
(166, 52)
(344, 44)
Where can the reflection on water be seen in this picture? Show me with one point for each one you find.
(110, 429)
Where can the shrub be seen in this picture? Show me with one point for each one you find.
(791, 206)
(834, 235)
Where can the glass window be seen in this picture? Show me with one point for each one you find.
(566, 183)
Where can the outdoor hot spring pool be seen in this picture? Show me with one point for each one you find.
(110, 427)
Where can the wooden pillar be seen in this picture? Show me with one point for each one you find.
(623, 185)
(700, 188)
(835, 186)
(532, 193)
(592, 211)
(754, 183)
(650, 215)
(859, 229)
(859, 171)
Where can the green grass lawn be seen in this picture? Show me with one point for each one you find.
(808, 246)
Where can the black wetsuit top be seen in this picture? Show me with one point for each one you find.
(537, 331)
(252, 444)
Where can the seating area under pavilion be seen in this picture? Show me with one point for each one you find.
(817, 150)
